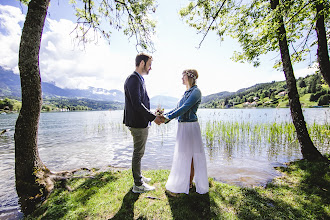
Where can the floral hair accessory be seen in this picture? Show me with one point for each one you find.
(191, 75)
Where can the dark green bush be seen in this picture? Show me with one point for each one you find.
(314, 97)
(324, 100)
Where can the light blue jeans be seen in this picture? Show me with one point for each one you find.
(140, 136)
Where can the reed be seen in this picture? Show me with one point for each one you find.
(233, 134)
(276, 134)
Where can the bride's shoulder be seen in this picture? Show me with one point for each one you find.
(197, 90)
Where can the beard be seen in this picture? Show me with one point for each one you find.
(146, 70)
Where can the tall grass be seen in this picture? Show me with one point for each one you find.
(272, 137)
(219, 133)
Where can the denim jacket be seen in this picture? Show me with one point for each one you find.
(187, 107)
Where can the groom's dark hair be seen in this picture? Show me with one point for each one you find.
(141, 57)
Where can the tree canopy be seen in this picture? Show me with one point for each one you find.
(132, 17)
(251, 23)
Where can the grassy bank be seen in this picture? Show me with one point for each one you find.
(301, 193)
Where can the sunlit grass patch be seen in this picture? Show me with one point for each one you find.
(302, 192)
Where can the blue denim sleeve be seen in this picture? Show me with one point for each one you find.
(194, 97)
(170, 112)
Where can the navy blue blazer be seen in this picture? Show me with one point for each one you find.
(137, 112)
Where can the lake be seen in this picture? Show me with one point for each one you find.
(98, 139)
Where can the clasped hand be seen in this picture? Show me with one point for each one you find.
(159, 119)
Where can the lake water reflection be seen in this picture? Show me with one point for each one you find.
(69, 140)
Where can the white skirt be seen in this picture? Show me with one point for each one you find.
(189, 145)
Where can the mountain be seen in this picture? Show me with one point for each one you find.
(220, 95)
(227, 99)
(228, 95)
(50, 91)
(312, 91)
(9, 84)
(165, 102)
(10, 87)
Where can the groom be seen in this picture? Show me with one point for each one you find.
(137, 117)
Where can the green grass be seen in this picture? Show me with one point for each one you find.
(305, 101)
(302, 192)
(283, 104)
(219, 133)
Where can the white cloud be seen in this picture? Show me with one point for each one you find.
(10, 33)
(62, 60)
(78, 66)
(302, 72)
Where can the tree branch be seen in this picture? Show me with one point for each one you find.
(197, 4)
(214, 18)
(131, 17)
(304, 43)
(298, 12)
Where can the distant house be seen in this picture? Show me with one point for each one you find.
(246, 104)
(254, 104)
(282, 93)
(256, 98)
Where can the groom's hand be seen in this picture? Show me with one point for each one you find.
(159, 119)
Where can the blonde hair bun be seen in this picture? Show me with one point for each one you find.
(192, 73)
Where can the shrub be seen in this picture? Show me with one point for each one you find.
(47, 108)
(10, 104)
(324, 100)
(314, 97)
(302, 83)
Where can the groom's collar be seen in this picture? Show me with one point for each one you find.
(141, 77)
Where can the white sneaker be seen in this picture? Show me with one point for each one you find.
(146, 179)
(143, 188)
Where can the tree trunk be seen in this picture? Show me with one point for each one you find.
(322, 50)
(308, 149)
(29, 169)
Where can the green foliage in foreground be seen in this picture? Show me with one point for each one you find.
(302, 192)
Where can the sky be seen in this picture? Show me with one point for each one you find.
(99, 64)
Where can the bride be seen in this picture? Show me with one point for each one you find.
(189, 162)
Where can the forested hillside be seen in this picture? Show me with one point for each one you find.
(63, 104)
(312, 89)
(79, 105)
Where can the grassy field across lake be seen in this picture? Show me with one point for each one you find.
(302, 192)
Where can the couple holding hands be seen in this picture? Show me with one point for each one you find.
(189, 161)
